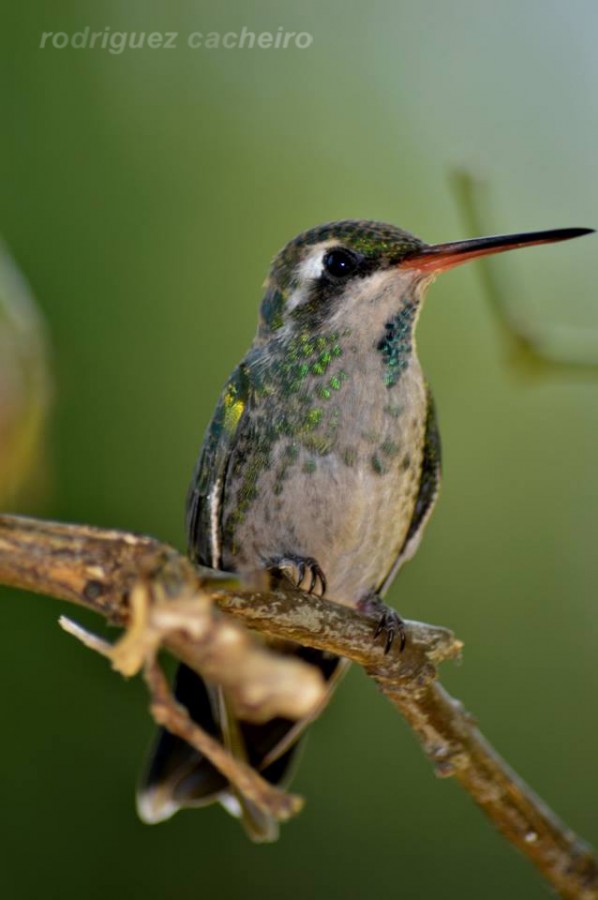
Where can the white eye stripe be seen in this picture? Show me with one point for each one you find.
(313, 266)
(309, 270)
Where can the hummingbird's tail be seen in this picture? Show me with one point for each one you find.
(178, 776)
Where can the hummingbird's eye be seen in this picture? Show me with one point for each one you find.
(339, 263)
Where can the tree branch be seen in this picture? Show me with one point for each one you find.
(148, 587)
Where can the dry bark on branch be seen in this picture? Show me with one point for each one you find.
(136, 581)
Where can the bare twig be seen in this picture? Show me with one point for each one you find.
(167, 712)
(456, 747)
(100, 569)
(535, 349)
(175, 718)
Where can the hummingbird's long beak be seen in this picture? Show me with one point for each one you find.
(440, 257)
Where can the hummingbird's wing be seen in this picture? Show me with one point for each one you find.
(204, 536)
(429, 485)
(204, 501)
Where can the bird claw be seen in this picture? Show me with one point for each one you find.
(390, 623)
(296, 568)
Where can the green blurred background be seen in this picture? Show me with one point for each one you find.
(143, 196)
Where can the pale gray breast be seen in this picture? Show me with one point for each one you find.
(349, 507)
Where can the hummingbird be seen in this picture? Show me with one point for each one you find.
(321, 465)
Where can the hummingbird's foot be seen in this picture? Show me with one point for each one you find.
(389, 624)
(303, 573)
